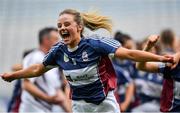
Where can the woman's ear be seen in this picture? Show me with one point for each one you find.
(80, 27)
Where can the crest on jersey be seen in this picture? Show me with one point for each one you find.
(85, 56)
(66, 59)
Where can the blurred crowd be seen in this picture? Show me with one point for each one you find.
(140, 91)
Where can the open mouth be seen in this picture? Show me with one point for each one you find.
(65, 34)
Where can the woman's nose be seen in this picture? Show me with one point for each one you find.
(62, 27)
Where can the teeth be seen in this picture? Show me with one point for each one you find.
(64, 33)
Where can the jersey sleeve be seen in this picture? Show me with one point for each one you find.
(168, 72)
(105, 45)
(175, 72)
(49, 60)
(164, 70)
(161, 67)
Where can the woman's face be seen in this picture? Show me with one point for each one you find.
(130, 44)
(69, 30)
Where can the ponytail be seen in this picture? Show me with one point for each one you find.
(94, 21)
(91, 20)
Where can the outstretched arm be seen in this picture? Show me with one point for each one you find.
(140, 56)
(32, 71)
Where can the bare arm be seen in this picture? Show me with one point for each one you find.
(66, 102)
(128, 97)
(32, 71)
(64, 94)
(149, 66)
(36, 92)
(176, 60)
(139, 56)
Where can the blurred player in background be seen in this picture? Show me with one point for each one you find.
(14, 103)
(43, 94)
(125, 71)
(167, 41)
(85, 62)
(170, 98)
(148, 88)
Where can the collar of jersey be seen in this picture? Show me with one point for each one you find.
(72, 49)
(75, 48)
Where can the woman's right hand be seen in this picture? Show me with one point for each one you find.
(167, 58)
(7, 77)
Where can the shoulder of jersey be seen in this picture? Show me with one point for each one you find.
(94, 36)
(98, 37)
(58, 44)
(32, 53)
(37, 52)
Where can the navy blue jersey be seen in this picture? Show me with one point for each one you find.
(170, 100)
(87, 67)
(13, 105)
(148, 86)
(126, 65)
(123, 79)
(122, 75)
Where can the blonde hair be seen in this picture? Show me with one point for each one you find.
(91, 20)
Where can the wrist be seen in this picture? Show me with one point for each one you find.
(161, 59)
(15, 75)
(127, 102)
(48, 98)
(146, 48)
(11, 76)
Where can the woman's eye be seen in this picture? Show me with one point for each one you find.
(66, 24)
(59, 25)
